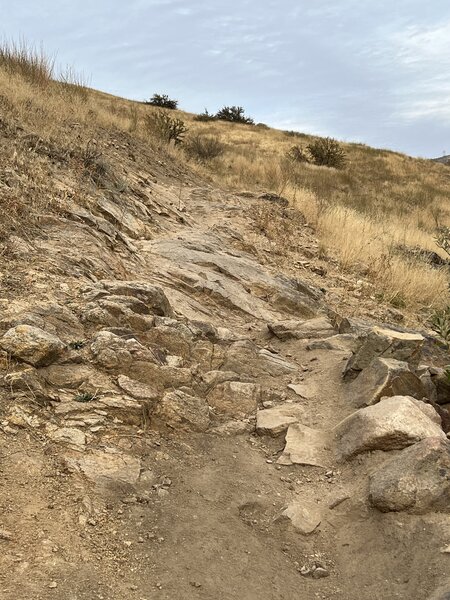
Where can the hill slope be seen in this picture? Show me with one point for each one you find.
(172, 356)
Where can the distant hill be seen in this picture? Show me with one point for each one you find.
(443, 159)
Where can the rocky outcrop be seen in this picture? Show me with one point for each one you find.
(385, 343)
(276, 420)
(184, 412)
(416, 480)
(385, 377)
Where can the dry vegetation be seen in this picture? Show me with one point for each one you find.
(366, 215)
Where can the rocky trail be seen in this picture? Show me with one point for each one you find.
(182, 418)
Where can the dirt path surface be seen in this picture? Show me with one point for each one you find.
(133, 461)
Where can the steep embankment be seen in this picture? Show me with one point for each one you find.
(174, 420)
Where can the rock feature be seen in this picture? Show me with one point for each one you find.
(276, 420)
(136, 389)
(234, 399)
(182, 411)
(417, 480)
(392, 424)
(27, 383)
(302, 330)
(385, 343)
(68, 435)
(114, 352)
(106, 467)
(32, 345)
(385, 377)
(306, 446)
(441, 381)
(243, 357)
(304, 516)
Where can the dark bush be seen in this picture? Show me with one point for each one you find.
(162, 101)
(298, 154)
(327, 152)
(205, 116)
(166, 128)
(235, 114)
(204, 147)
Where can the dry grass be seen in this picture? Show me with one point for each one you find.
(362, 213)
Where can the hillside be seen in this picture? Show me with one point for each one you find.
(217, 378)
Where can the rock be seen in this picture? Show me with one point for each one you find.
(234, 399)
(113, 352)
(306, 446)
(392, 424)
(304, 390)
(385, 377)
(138, 390)
(416, 480)
(273, 421)
(385, 343)
(32, 345)
(302, 330)
(182, 411)
(275, 365)
(5, 535)
(68, 435)
(106, 467)
(441, 381)
(304, 516)
(27, 382)
(244, 358)
(213, 378)
(150, 296)
(320, 572)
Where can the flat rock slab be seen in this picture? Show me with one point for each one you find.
(235, 399)
(106, 467)
(305, 516)
(392, 424)
(304, 390)
(68, 435)
(416, 480)
(306, 446)
(276, 420)
(302, 330)
(182, 411)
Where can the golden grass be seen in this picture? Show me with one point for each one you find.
(382, 199)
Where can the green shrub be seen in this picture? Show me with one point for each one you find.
(168, 129)
(440, 323)
(204, 147)
(297, 154)
(205, 116)
(235, 114)
(162, 101)
(327, 152)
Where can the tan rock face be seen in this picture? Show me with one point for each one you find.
(416, 480)
(385, 377)
(183, 412)
(385, 343)
(104, 467)
(392, 424)
(32, 345)
(302, 330)
(305, 516)
(235, 399)
(274, 421)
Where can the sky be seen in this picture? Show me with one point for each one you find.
(371, 71)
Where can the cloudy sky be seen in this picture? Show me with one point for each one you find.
(375, 71)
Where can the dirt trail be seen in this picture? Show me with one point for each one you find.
(186, 513)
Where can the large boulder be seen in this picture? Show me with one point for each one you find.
(182, 411)
(385, 377)
(384, 343)
(392, 424)
(417, 480)
(32, 345)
